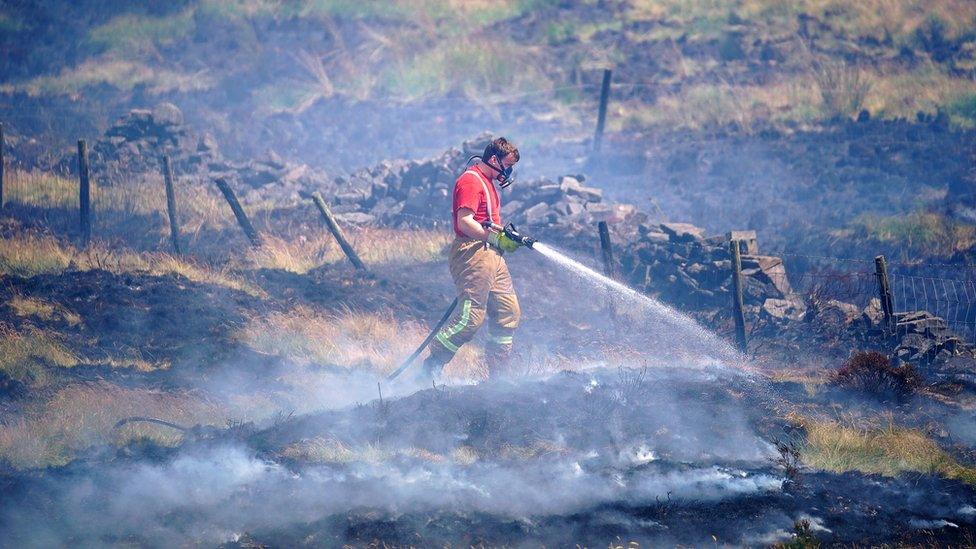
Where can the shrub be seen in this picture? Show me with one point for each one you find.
(843, 88)
(871, 372)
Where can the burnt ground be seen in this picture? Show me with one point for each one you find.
(666, 456)
(648, 442)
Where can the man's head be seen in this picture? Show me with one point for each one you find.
(500, 156)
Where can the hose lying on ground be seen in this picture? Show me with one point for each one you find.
(134, 419)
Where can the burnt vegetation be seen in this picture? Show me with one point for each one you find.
(871, 373)
(219, 388)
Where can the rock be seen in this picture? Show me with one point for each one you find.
(568, 182)
(683, 232)
(619, 212)
(919, 322)
(837, 313)
(356, 218)
(568, 208)
(537, 214)
(588, 194)
(167, 114)
(872, 314)
(599, 211)
(791, 308)
(511, 207)
(769, 270)
(748, 241)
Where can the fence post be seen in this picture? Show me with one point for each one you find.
(174, 225)
(738, 307)
(609, 268)
(84, 192)
(235, 206)
(336, 230)
(602, 114)
(884, 292)
(1, 164)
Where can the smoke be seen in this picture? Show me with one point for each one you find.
(211, 492)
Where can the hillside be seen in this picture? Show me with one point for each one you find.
(749, 317)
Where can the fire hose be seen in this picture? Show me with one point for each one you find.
(511, 232)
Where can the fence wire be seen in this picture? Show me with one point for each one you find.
(954, 300)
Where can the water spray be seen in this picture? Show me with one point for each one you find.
(670, 315)
(511, 232)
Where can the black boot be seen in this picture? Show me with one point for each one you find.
(433, 366)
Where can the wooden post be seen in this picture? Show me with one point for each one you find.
(737, 302)
(609, 267)
(336, 230)
(884, 292)
(84, 192)
(174, 225)
(235, 206)
(1, 165)
(602, 115)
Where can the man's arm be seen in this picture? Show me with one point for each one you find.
(468, 226)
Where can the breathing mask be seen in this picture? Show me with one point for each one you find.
(505, 177)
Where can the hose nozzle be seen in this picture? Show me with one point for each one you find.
(511, 232)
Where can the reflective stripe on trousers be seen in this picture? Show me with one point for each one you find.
(482, 280)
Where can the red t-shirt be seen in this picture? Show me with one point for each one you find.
(470, 192)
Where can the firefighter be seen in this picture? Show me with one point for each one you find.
(477, 264)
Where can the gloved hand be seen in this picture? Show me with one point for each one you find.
(502, 242)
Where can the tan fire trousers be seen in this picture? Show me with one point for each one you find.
(484, 287)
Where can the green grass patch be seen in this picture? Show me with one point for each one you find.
(962, 111)
(122, 74)
(142, 33)
(925, 233)
(478, 65)
(9, 23)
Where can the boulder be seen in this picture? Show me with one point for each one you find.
(790, 308)
(167, 114)
(537, 214)
(768, 270)
(682, 232)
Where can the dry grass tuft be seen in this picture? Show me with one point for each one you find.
(876, 449)
(843, 88)
(375, 246)
(464, 455)
(30, 255)
(333, 450)
(538, 448)
(349, 340)
(83, 415)
(42, 310)
(24, 356)
(297, 255)
(382, 246)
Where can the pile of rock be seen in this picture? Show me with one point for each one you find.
(681, 263)
(925, 338)
(137, 141)
(418, 193)
(135, 145)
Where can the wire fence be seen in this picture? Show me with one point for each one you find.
(846, 284)
(137, 212)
